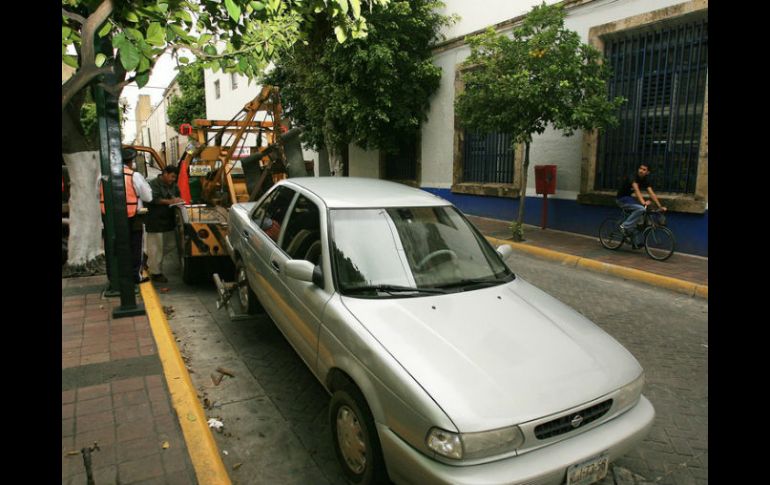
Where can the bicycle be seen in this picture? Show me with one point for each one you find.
(657, 239)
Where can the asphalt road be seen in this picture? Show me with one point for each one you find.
(274, 412)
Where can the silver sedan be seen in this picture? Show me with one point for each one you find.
(442, 365)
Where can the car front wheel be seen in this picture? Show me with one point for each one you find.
(355, 438)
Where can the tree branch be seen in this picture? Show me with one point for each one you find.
(80, 80)
(94, 21)
(73, 16)
(88, 70)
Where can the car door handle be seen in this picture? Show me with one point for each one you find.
(275, 265)
(246, 234)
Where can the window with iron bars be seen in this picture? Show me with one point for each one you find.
(662, 72)
(402, 165)
(488, 158)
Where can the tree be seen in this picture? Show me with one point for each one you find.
(543, 75)
(192, 103)
(372, 91)
(125, 39)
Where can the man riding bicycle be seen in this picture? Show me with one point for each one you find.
(630, 197)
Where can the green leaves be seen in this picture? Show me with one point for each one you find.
(142, 79)
(155, 35)
(542, 75)
(129, 56)
(341, 34)
(369, 90)
(233, 10)
(356, 6)
(106, 29)
(252, 32)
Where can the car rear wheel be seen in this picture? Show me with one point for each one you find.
(355, 438)
(246, 297)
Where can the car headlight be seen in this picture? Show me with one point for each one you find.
(630, 393)
(460, 446)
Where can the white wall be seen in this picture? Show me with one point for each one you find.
(231, 101)
(476, 15)
(550, 148)
(363, 163)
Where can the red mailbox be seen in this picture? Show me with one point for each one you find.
(545, 183)
(545, 179)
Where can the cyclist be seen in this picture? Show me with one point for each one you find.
(630, 197)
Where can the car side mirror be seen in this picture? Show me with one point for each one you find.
(504, 251)
(302, 270)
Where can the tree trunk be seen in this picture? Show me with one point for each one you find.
(85, 237)
(336, 162)
(81, 156)
(518, 232)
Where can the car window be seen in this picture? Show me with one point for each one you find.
(302, 239)
(413, 247)
(270, 214)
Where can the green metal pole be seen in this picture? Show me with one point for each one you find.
(108, 218)
(117, 230)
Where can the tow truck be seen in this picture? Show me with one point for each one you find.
(230, 161)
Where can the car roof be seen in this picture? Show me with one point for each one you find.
(359, 192)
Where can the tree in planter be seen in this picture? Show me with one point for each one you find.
(373, 92)
(237, 35)
(543, 75)
(192, 102)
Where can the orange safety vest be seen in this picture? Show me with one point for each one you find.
(132, 200)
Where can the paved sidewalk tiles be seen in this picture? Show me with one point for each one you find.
(114, 396)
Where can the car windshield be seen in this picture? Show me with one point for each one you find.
(411, 251)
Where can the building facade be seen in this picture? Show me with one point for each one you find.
(658, 51)
(153, 129)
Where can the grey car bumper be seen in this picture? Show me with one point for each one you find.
(545, 466)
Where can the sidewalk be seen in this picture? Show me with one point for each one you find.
(680, 271)
(114, 395)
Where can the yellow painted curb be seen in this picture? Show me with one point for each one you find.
(680, 286)
(203, 450)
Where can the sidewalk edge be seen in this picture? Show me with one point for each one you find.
(204, 453)
(686, 287)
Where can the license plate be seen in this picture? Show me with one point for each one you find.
(589, 471)
(199, 170)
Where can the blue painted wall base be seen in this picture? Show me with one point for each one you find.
(690, 230)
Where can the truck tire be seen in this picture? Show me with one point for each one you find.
(190, 269)
(189, 266)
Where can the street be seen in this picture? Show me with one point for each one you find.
(274, 412)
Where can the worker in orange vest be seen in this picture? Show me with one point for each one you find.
(138, 191)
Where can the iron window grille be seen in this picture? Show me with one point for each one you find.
(662, 73)
(488, 158)
(402, 165)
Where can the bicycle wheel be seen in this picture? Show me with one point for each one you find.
(659, 243)
(609, 233)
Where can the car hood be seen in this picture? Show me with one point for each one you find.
(498, 356)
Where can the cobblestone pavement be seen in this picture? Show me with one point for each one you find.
(275, 412)
(668, 334)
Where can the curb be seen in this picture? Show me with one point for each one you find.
(674, 284)
(203, 451)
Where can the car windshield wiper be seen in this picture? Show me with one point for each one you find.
(392, 289)
(475, 283)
